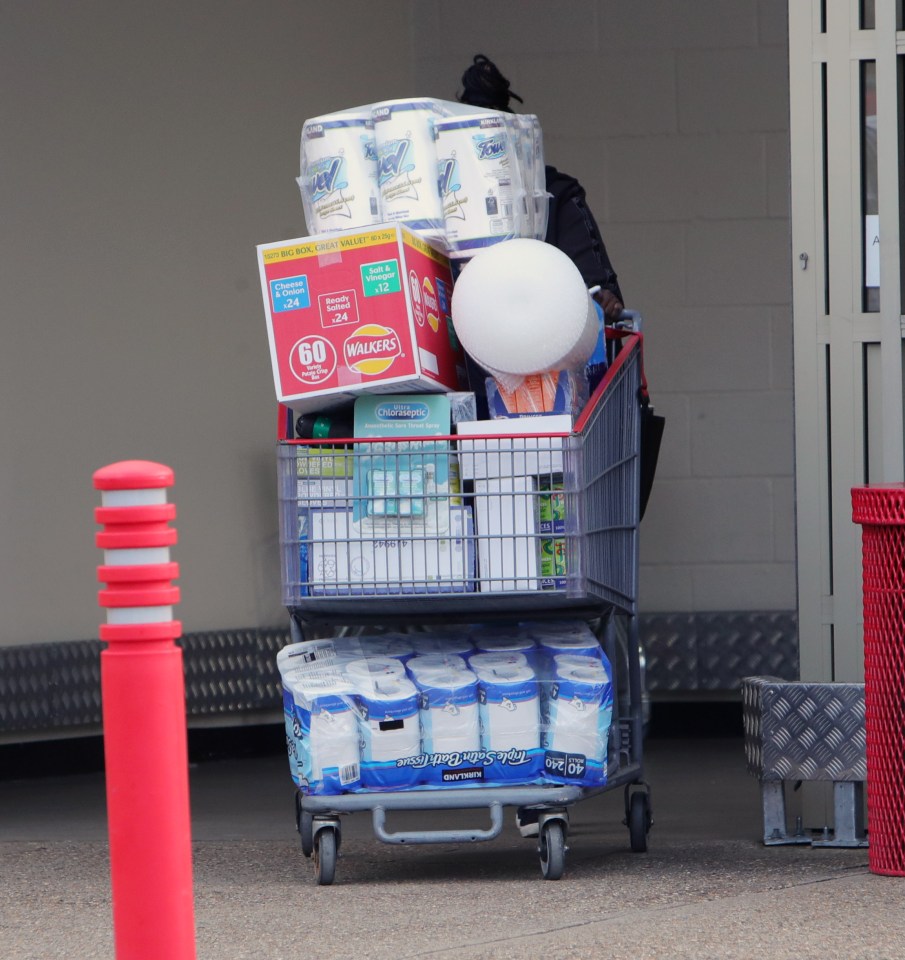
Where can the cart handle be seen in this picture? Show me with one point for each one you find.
(439, 836)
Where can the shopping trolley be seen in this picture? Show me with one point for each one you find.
(331, 588)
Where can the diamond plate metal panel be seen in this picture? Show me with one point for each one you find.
(56, 686)
(714, 651)
(804, 731)
(670, 649)
(232, 671)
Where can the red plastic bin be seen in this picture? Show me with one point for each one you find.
(880, 510)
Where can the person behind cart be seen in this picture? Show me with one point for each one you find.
(571, 226)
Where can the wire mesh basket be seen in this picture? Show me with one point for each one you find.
(476, 526)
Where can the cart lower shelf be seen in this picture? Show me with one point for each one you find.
(318, 817)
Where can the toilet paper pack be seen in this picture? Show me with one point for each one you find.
(359, 719)
(404, 132)
(390, 731)
(577, 714)
(325, 734)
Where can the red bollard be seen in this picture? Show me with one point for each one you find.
(143, 693)
(881, 512)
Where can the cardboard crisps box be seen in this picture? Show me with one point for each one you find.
(367, 311)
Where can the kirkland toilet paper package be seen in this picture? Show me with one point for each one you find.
(358, 720)
(338, 180)
(390, 730)
(509, 697)
(577, 712)
(322, 732)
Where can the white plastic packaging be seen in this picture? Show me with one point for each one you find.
(407, 163)
(357, 721)
(480, 181)
(338, 172)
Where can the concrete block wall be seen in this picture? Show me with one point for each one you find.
(148, 149)
(675, 119)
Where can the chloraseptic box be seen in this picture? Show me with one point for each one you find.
(407, 480)
(365, 311)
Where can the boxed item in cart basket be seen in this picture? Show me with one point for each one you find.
(367, 311)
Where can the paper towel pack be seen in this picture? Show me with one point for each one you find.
(338, 181)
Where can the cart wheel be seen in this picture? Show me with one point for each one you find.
(305, 822)
(639, 821)
(552, 849)
(325, 856)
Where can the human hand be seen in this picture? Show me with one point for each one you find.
(612, 305)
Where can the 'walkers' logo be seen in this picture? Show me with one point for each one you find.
(371, 349)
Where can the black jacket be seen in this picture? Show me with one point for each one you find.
(572, 228)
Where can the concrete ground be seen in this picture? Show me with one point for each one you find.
(706, 888)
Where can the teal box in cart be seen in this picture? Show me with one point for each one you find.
(398, 416)
(406, 480)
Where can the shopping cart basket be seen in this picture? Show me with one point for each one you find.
(459, 537)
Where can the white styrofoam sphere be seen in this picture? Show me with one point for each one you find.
(521, 306)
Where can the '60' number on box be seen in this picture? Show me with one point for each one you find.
(313, 359)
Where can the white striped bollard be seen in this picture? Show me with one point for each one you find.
(143, 695)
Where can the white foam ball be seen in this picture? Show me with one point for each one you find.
(521, 306)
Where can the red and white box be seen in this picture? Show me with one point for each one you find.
(365, 311)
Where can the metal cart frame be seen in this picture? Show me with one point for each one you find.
(601, 455)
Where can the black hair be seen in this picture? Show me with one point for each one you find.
(484, 86)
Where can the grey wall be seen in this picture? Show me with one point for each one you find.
(147, 148)
(675, 118)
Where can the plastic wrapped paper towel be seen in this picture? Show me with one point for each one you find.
(521, 307)
(338, 181)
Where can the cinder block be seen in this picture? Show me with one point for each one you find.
(650, 257)
(784, 520)
(739, 586)
(710, 521)
(664, 586)
(742, 434)
(779, 173)
(619, 95)
(675, 449)
(733, 90)
(505, 28)
(773, 22)
(781, 348)
(707, 349)
(666, 25)
(739, 262)
(686, 177)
